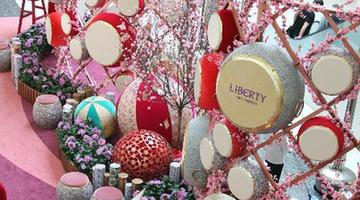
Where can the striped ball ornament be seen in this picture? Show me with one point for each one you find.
(100, 111)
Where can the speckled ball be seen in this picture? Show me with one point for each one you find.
(74, 186)
(143, 154)
(5, 60)
(100, 111)
(47, 111)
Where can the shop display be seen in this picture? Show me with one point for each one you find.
(78, 49)
(265, 94)
(116, 36)
(192, 169)
(206, 73)
(54, 32)
(229, 141)
(248, 176)
(209, 156)
(329, 139)
(143, 154)
(222, 30)
(74, 186)
(140, 108)
(47, 111)
(341, 69)
(100, 111)
(130, 7)
(107, 193)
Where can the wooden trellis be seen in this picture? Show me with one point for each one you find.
(325, 106)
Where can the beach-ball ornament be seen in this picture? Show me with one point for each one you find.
(143, 154)
(100, 111)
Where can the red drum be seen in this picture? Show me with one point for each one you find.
(123, 79)
(67, 27)
(319, 139)
(78, 49)
(110, 39)
(54, 33)
(209, 156)
(222, 30)
(206, 73)
(95, 3)
(228, 140)
(131, 7)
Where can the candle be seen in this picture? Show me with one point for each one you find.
(98, 172)
(106, 178)
(122, 181)
(174, 172)
(137, 184)
(128, 191)
(114, 171)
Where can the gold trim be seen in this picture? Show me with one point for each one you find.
(277, 84)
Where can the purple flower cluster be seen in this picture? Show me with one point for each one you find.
(84, 144)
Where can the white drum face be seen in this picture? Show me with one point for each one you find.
(66, 23)
(48, 29)
(103, 43)
(129, 7)
(76, 49)
(319, 143)
(215, 31)
(223, 140)
(332, 75)
(91, 3)
(241, 183)
(207, 153)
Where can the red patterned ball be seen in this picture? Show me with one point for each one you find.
(143, 154)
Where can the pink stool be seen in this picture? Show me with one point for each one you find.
(47, 111)
(74, 186)
(107, 193)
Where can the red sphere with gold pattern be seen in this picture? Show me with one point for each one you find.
(143, 154)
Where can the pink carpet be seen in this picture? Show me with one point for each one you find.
(9, 26)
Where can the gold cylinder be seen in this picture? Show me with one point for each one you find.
(122, 181)
(106, 178)
(137, 184)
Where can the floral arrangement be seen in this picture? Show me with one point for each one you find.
(166, 189)
(83, 144)
(33, 74)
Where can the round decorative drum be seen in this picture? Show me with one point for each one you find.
(95, 3)
(219, 196)
(101, 112)
(222, 30)
(54, 32)
(258, 88)
(206, 73)
(131, 8)
(210, 157)
(107, 193)
(192, 169)
(110, 39)
(246, 180)
(123, 79)
(74, 186)
(334, 72)
(319, 139)
(47, 111)
(5, 56)
(228, 140)
(66, 20)
(139, 107)
(78, 49)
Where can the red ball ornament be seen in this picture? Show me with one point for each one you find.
(143, 154)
